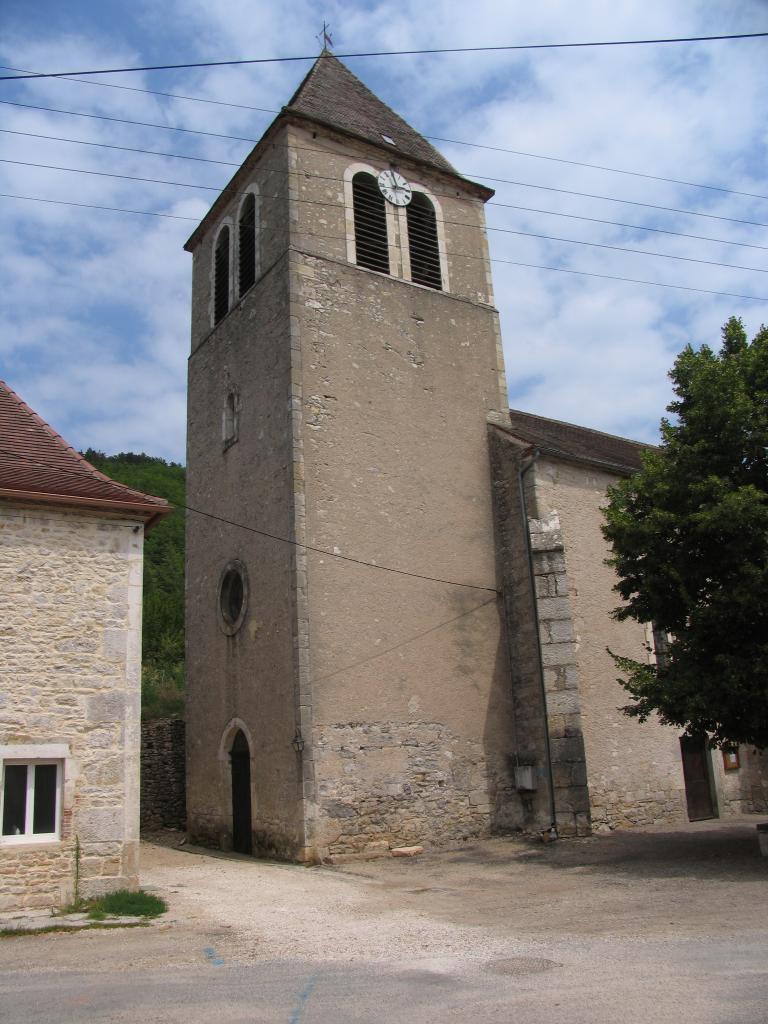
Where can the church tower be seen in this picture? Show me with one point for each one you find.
(348, 675)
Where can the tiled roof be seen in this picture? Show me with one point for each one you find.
(330, 93)
(553, 437)
(37, 464)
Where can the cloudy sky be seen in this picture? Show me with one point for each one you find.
(95, 304)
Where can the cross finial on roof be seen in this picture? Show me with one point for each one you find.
(327, 38)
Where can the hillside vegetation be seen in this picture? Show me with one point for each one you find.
(162, 682)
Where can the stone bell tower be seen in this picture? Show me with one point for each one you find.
(348, 675)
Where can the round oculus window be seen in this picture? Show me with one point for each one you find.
(233, 596)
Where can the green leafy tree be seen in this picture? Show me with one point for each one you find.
(162, 679)
(689, 534)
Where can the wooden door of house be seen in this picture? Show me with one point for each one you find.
(240, 758)
(698, 788)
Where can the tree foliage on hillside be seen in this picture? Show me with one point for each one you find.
(690, 545)
(163, 615)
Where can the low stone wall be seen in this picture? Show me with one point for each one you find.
(163, 775)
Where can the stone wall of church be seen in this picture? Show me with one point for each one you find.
(70, 645)
(244, 680)
(742, 790)
(560, 670)
(634, 770)
(544, 675)
(394, 381)
(388, 784)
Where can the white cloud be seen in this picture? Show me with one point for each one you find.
(96, 303)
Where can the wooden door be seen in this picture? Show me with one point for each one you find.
(240, 757)
(698, 788)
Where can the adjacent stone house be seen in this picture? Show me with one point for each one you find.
(71, 543)
(397, 606)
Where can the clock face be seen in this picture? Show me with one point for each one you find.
(394, 188)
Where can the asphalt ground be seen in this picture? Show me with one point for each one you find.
(653, 925)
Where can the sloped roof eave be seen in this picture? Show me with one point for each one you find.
(151, 514)
(570, 442)
(617, 468)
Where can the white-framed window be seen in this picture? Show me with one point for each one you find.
(423, 246)
(221, 283)
(406, 242)
(371, 236)
(248, 241)
(30, 800)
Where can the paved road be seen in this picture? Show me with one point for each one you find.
(685, 980)
(649, 926)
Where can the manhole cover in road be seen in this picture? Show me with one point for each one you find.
(522, 965)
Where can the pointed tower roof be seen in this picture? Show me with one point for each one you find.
(37, 465)
(332, 95)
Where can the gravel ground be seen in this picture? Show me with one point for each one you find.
(658, 924)
(706, 877)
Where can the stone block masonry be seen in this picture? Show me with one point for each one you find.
(390, 784)
(548, 716)
(70, 636)
(163, 774)
(558, 644)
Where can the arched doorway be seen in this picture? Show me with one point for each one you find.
(240, 759)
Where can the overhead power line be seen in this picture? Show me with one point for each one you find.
(464, 224)
(520, 184)
(232, 163)
(453, 255)
(409, 640)
(593, 167)
(26, 73)
(123, 120)
(94, 206)
(511, 231)
(397, 53)
(271, 536)
(634, 280)
(122, 149)
(253, 141)
(434, 138)
(507, 231)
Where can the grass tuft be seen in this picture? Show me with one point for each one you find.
(124, 903)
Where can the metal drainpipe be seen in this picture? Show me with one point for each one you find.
(524, 512)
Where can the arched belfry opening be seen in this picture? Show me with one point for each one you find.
(371, 241)
(423, 245)
(240, 760)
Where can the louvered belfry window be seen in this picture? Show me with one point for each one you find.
(221, 276)
(370, 223)
(422, 242)
(246, 243)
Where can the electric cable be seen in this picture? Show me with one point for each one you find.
(528, 234)
(507, 181)
(394, 53)
(464, 224)
(431, 138)
(225, 190)
(409, 640)
(453, 255)
(261, 533)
